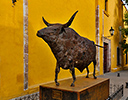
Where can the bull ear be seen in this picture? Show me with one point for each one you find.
(70, 21)
(46, 23)
(62, 30)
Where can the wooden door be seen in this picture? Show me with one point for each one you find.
(105, 57)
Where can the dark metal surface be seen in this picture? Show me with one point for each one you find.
(53, 94)
(69, 48)
(126, 85)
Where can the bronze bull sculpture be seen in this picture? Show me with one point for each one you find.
(69, 48)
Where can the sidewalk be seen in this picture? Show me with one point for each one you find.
(118, 80)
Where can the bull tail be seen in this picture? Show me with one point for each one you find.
(99, 46)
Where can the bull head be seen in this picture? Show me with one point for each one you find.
(53, 30)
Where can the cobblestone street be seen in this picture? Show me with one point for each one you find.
(122, 79)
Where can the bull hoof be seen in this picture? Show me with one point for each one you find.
(72, 84)
(87, 76)
(57, 84)
(95, 77)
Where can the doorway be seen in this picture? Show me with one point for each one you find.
(105, 57)
(106, 63)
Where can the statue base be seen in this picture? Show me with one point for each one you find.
(84, 89)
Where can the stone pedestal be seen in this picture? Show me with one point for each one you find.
(85, 89)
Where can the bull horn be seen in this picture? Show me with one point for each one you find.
(70, 21)
(46, 23)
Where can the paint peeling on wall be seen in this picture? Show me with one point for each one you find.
(97, 39)
(25, 32)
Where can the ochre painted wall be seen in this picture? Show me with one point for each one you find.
(113, 18)
(41, 60)
(125, 26)
(116, 21)
(11, 49)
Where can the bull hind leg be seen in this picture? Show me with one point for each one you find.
(87, 72)
(72, 70)
(94, 63)
(57, 70)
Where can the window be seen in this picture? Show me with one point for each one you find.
(106, 5)
(106, 8)
(13, 1)
(118, 56)
(126, 59)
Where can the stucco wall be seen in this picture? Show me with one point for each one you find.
(11, 49)
(41, 61)
(113, 18)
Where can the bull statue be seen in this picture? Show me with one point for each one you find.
(69, 48)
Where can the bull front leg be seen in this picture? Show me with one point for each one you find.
(72, 70)
(57, 70)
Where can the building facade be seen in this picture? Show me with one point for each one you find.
(26, 61)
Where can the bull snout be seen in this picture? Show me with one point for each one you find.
(38, 34)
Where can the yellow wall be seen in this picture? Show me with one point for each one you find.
(112, 18)
(125, 26)
(42, 62)
(11, 49)
(116, 21)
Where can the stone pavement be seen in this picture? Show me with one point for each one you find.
(33, 96)
(118, 80)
